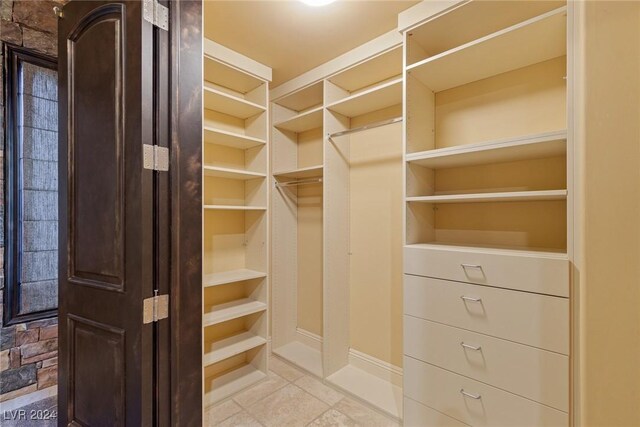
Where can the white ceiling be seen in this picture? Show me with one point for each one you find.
(291, 37)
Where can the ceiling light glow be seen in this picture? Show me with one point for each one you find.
(317, 3)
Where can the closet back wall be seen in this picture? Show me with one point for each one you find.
(375, 243)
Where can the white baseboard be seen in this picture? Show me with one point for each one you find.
(309, 339)
(376, 367)
(367, 363)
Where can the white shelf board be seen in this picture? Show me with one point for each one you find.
(304, 98)
(543, 145)
(228, 104)
(231, 346)
(309, 172)
(302, 356)
(231, 276)
(228, 173)
(228, 76)
(230, 139)
(233, 208)
(233, 382)
(506, 196)
(308, 120)
(379, 68)
(535, 40)
(232, 310)
(369, 100)
(497, 249)
(376, 391)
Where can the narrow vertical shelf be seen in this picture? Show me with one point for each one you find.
(235, 223)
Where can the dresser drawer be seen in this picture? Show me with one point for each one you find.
(536, 374)
(483, 405)
(527, 271)
(537, 320)
(417, 415)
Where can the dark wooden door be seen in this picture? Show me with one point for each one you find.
(106, 215)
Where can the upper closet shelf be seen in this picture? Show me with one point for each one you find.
(310, 172)
(529, 42)
(538, 146)
(374, 70)
(217, 100)
(230, 139)
(307, 120)
(506, 196)
(369, 100)
(229, 77)
(231, 276)
(231, 173)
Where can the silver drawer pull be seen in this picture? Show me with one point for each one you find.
(470, 347)
(471, 299)
(473, 396)
(476, 266)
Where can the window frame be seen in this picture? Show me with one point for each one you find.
(14, 56)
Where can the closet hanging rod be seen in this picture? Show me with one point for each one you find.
(300, 182)
(365, 127)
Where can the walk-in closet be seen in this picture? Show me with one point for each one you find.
(395, 223)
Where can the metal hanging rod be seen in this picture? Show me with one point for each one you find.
(299, 182)
(365, 127)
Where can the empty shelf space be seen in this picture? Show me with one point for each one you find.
(507, 196)
(228, 76)
(232, 310)
(549, 144)
(228, 104)
(529, 42)
(309, 172)
(230, 139)
(369, 100)
(232, 346)
(231, 276)
(233, 382)
(377, 69)
(231, 173)
(233, 208)
(378, 392)
(307, 120)
(303, 356)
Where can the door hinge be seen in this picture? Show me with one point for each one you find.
(155, 308)
(155, 158)
(156, 14)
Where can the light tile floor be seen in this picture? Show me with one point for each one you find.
(290, 397)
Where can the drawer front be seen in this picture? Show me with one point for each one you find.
(536, 374)
(534, 273)
(483, 405)
(537, 320)
(417, 415)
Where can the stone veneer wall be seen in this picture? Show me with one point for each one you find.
(28, 351)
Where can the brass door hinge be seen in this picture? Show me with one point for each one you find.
(156, 14)
(155, 157)
(155, 308)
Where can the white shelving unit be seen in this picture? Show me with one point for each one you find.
(297, 153)
(487, 202)
(235, 229)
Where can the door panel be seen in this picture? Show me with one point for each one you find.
(106, 214)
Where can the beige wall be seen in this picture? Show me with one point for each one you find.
(376, 243)
(609, 286)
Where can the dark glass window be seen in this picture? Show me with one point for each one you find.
(31, 186)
